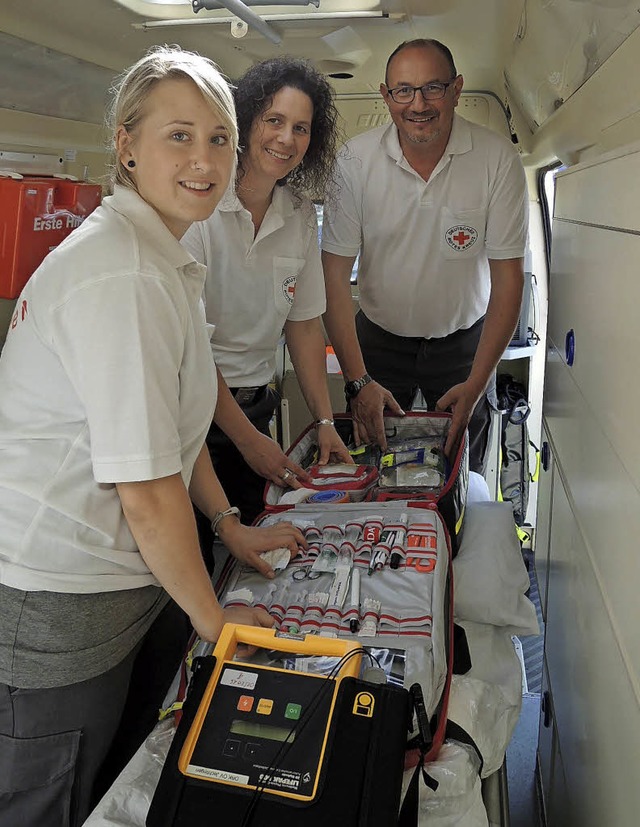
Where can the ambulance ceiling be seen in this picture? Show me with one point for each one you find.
(59, 57)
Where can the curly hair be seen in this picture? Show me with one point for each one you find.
(254, 94)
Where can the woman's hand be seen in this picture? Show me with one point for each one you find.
(246, 542)
(332, 448)
(210, 628)
(269, 461)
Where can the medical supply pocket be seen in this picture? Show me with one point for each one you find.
(415, 468)
(462, 233)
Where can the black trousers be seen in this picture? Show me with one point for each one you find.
(243, 487)
(406, 364)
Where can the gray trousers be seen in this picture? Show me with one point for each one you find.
(62, 747)
(52, 743)
(404, 364)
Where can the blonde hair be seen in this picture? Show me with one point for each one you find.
(133, 87)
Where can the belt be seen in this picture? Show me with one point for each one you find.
(247, 396)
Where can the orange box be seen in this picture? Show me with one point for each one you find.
(36, 214)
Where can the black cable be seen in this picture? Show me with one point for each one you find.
(298, 728)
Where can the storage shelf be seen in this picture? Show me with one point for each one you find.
(521, 352)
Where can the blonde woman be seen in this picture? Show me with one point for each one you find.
(108, 393)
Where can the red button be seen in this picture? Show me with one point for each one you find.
(245, 703)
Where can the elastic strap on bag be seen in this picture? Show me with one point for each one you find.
(409, 811)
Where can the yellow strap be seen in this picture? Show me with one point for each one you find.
(536, 473)
(460, 521)
(175, 706)
(523, 535)
(500, 497)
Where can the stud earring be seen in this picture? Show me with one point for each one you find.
(131, 164)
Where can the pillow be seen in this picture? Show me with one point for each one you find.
(478, 490)
(490, 578)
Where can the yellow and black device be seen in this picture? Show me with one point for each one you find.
(260, 726)
(272, 747)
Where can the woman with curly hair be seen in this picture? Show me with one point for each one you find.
(264, 275)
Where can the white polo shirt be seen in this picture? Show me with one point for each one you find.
(255, 284)
(425, 246)
(106, 377)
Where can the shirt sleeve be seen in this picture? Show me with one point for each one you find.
(508, 214)
(309, 300)
(342, 215)
(121, 341)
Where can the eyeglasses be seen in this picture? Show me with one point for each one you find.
(430, 91)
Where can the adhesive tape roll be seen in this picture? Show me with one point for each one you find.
(329, 497)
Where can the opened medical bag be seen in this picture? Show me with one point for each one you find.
(412, 468)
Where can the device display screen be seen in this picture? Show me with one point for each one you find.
(255, 730)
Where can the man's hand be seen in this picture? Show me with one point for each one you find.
(461, 400)
(268, 460)
(367, 408)
(246, 542)
(332, 448)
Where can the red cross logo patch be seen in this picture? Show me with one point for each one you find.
(461, 237)
(289, 288)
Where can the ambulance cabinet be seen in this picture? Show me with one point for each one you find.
(36, 214)
(588, 752)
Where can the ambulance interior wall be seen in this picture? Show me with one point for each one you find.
(81, 145)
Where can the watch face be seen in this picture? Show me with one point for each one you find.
(354, 387)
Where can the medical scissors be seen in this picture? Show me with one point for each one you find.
(305, 573)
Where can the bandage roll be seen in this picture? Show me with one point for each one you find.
(328, 497)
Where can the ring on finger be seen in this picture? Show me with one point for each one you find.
(286, 474)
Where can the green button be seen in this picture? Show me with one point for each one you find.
(293, 712)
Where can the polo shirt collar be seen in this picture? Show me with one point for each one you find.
(459, 140)
(146, 220)
(281, 201)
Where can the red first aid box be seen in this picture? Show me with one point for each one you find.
(36, 214)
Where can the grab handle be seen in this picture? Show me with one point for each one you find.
(570, 347)
(233, 634)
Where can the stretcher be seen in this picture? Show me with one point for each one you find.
(491, 606)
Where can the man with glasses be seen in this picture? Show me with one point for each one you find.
(437, 208)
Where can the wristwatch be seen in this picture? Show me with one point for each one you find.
(353, 388)
(222, 514)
